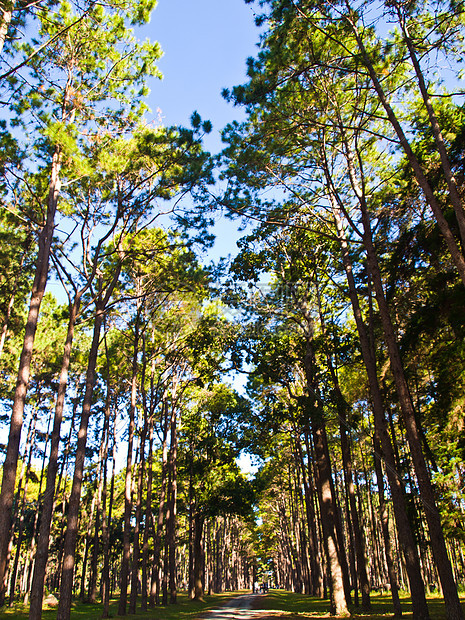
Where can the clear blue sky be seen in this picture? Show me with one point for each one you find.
(206, 44)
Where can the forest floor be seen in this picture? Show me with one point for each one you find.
(282, 604)
(183, 610)
(277, 604)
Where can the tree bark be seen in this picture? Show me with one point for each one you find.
(420, 176)
(327, 509)
(38, 289)
(128, 481)
(172, 521)
(454, 609)
(155, 585)
(37, 589)
(106, 522)
(406, 539)
(197, 556)
(19, 536)
(66, 587)
(384, 517)
(136, 540)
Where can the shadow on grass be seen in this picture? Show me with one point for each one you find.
(282, 604)
(184, 609)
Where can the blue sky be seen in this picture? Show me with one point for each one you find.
(206, 44)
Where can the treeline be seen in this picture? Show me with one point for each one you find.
(351, 161)
(119, 472)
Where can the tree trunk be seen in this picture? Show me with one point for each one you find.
(315, 574)
(19, 536)
(37, 589)
(421, 178)
(128, 481)
(148, 522)
(66, 586)
(327, 509)
(197, 556)
(171, 522)
(406, 539)
(354, 523)
(38, 289)
(29, 564)
(148, 426)
(383, 514)
(454, 609)
(136, 541)
(106, 523)
(155, 585)
(92, 588)
(85, 559)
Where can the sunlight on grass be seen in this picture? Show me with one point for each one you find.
(282, 604)
(183, 610)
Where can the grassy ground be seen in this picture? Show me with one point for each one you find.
(278, 603)
(292, 606)
(183, 610)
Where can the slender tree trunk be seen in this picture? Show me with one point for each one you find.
(87, 539)
(148, 521)
(354, 522)
(172, 521)
(406, 539)
(454, 609)
(19, 536)
(315, 573)
(92, 588)
(421, 178)
(327, 509)
(16, 422)
(197, 556)
(155, 586)
(37, 589)
(166, 549)
(326, 496)
(128, 481)
(106, 523)
(190, 567)
(136, 540)
(69, 549)
(383, 513)
(317, 576)
(22, 479)
(29, 564)
(148, 427)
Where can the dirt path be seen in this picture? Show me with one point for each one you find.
(237, 609)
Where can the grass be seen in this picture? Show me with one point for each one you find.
(292, 606)
(183, 610)
(279, 603)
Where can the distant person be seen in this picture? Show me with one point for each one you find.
(255, 586)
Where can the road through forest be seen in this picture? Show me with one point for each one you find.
(239, 608)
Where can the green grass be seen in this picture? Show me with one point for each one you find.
(279, 603)
(183, 610)
(298, 606)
